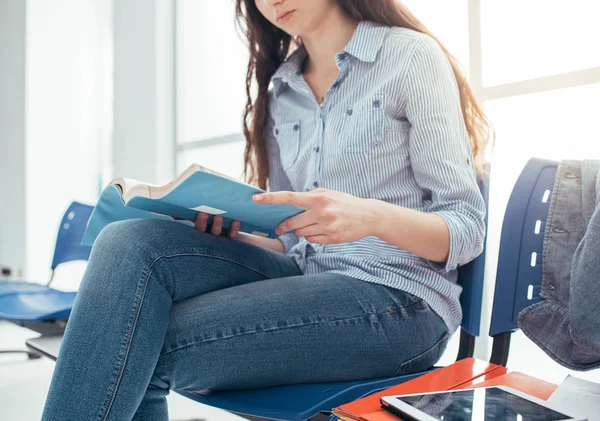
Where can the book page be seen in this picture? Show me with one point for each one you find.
(127, 184)
(132, 188)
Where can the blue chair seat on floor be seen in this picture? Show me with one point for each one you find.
(295, 402)
(28, 301)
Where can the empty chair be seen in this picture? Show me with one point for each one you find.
(40, 307)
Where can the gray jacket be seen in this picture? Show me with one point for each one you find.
(566, 325)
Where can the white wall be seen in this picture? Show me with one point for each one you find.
(12, 134)
(55, 61)
(64, 53)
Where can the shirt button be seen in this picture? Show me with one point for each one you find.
(349, 111)
(315, 184)
(316, 149)
(296, 127)
(376, 103)
(276, 131)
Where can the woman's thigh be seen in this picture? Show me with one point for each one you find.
(183, 260)
(298, 329)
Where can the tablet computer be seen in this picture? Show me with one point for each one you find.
(480, 404)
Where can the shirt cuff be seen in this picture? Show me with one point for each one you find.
(289, 239)
(462, 244)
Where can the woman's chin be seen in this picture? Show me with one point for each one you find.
(292, 30)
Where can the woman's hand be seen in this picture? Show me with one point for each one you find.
(331, 217)
(201, 224)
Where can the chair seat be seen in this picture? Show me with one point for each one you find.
(28, 301)
(295, 402)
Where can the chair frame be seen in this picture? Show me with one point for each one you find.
(528, 204)
(61, 255)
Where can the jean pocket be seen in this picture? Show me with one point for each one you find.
(424, 360)
(288, 140)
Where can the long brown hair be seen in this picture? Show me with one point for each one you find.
(269, 47)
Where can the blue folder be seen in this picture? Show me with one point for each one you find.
(199, 189)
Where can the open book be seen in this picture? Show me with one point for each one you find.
(197, 189)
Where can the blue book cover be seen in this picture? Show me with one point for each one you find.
(197, 189)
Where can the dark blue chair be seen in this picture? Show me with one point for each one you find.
(519, 275)
(39, 307)
(315, 401)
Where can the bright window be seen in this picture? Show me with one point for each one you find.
(211, 71)
(448, 21)
(226, 158)
(530, 39)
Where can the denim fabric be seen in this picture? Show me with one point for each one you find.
(566, 325)
(164, 307)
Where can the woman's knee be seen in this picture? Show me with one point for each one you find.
(157, 236)
(130, 231)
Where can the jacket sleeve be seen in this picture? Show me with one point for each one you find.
(278, 179)
(440, 152)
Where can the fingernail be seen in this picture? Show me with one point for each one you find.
(257, 197)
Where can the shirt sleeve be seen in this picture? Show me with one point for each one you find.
(278, 180)
(440, 152)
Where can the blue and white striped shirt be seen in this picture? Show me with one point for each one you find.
(390, 128)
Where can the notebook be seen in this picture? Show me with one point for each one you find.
(197, 189)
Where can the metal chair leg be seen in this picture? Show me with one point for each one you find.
(467, 345)
(501, 348)
(30, 354)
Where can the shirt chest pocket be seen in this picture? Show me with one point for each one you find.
(362, 125)
(288, 140)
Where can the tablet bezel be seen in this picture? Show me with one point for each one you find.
(411, 411)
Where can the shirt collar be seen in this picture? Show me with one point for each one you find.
(366, 41)
(364, 45)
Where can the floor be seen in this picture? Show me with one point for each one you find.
(24, 385)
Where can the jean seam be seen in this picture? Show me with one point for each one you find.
(396, 308)
(128, 338)
(137, 308)
(422, 355)
(280, 328)
(205, 254)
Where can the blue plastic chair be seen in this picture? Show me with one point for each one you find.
(519, 275)
(315, 401)
(39, 307)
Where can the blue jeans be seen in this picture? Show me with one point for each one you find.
(163, 306)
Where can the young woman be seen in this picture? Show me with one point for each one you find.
(370, 127)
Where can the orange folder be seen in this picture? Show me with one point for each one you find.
(464, 373)
(522, 382)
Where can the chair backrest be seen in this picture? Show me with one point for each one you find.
(519, 275)
(68, 242)
(470, 277)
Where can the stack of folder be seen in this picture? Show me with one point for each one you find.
(466, 373)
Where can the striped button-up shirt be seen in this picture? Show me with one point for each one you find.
(390, 128)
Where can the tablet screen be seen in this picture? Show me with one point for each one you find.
(484, 404)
